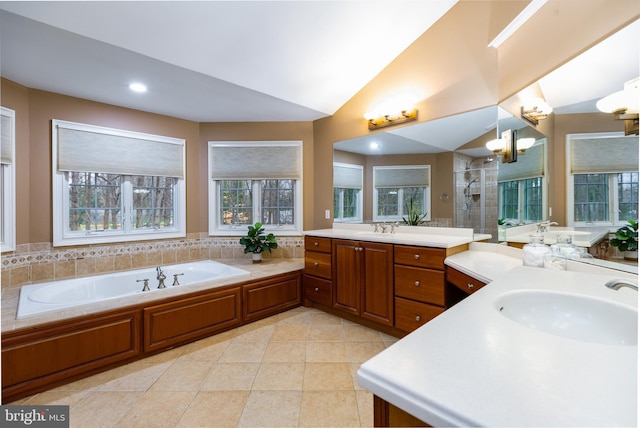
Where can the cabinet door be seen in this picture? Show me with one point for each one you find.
(346, 283)
(377, 282)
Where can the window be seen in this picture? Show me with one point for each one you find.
(396, 188)
(255, 181)
(602, 179)
(113, 186)
(522, 192)
(347, 193)
(7, 180)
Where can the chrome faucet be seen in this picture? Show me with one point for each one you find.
(615, 284)
(544, 226)
(146, 283)
(160, 276)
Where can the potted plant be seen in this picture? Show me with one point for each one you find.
(414, 216)
(256, 242)
(627, 239)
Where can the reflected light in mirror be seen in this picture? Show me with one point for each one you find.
(627, 100)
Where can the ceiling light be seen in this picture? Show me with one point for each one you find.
(522, 17)
(624, 105)
(536, 110)
(374, 146)
(138, 87)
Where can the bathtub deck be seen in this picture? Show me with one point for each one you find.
(10, 296)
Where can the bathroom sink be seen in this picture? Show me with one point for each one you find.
(571, 316)
(565, 232)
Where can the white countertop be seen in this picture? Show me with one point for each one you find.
(471, 366)
(581, 236)
(438, 237)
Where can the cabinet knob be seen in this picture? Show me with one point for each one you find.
(470, 286)
(417, 256)
(316, 243)
(418, 317)
(316, 289)
(417, 283)
(316, 264)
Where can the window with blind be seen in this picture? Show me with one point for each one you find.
(7, 180)
(112, 185)
(397, 188)
(522, 193)
(347, 193)
(602, 179)
(255, 181)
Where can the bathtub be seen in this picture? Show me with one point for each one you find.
(58, 295)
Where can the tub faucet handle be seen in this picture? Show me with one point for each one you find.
(146, 284)
(161, 279)
(175, 278)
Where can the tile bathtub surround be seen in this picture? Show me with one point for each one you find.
(40, 262)
(297, 368)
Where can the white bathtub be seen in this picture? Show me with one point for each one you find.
(57, 295)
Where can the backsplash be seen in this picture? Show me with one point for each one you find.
(40, 262)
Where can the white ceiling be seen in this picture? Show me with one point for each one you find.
(211, 61)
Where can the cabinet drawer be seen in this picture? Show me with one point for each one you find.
(463, 281)
(424, 285)
(317, 290)
(420, 256)
(318, 264)
(411, 315)
(312, 243)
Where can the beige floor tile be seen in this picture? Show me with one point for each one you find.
(137, 376)
(102, 408)
(157, 409)
(319, 318)
(327, 376)
(326, 352)
(325, 332)
(214, 409)
(88, 383)
(244, 352)
(230, 377)
(285, 352)
(296, 319)
(329, 409)
(271, 409)
(290, 333)
(166, 356)
(254, 334)
(53, 397)
(183, 376)
(365, 408)
(362, 351)
(279, 377)
(210, 353)
(354, 375)
(359, 332)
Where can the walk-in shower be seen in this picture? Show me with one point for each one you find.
(476, 195)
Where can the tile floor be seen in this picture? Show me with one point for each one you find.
(293, 369)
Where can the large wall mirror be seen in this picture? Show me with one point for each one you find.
(468, 184)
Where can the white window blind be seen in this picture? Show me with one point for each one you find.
(256, 160)
(6, 136)
(530, 164)
(604, 155)
(87, 148)
(401, 176)
(347, 176)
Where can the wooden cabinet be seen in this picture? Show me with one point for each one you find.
(460, 285)
(317, 280)
(265, 298)
(187, 319)
(363, 279)
(64, 350)
(419, 285)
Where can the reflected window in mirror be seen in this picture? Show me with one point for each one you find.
(7, 180)
(602, 179)
(400, 192)
(521, 190)
(347, 193)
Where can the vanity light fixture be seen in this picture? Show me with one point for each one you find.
(624, 105)
(535, 111)
(376, 122)
(509, 147)
(138, 87)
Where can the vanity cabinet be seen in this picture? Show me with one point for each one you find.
(419, 285)
(459, 286)
(317, 279)
(363, 279)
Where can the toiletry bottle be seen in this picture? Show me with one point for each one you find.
(535, 251)
(560, 252)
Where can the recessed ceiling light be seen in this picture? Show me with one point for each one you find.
(374, 146)
(138, 87)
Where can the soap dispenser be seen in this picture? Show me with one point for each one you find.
(535, 251)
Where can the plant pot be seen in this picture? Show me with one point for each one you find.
(256, 257)
(630, 255)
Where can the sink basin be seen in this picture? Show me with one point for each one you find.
(571, 316)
